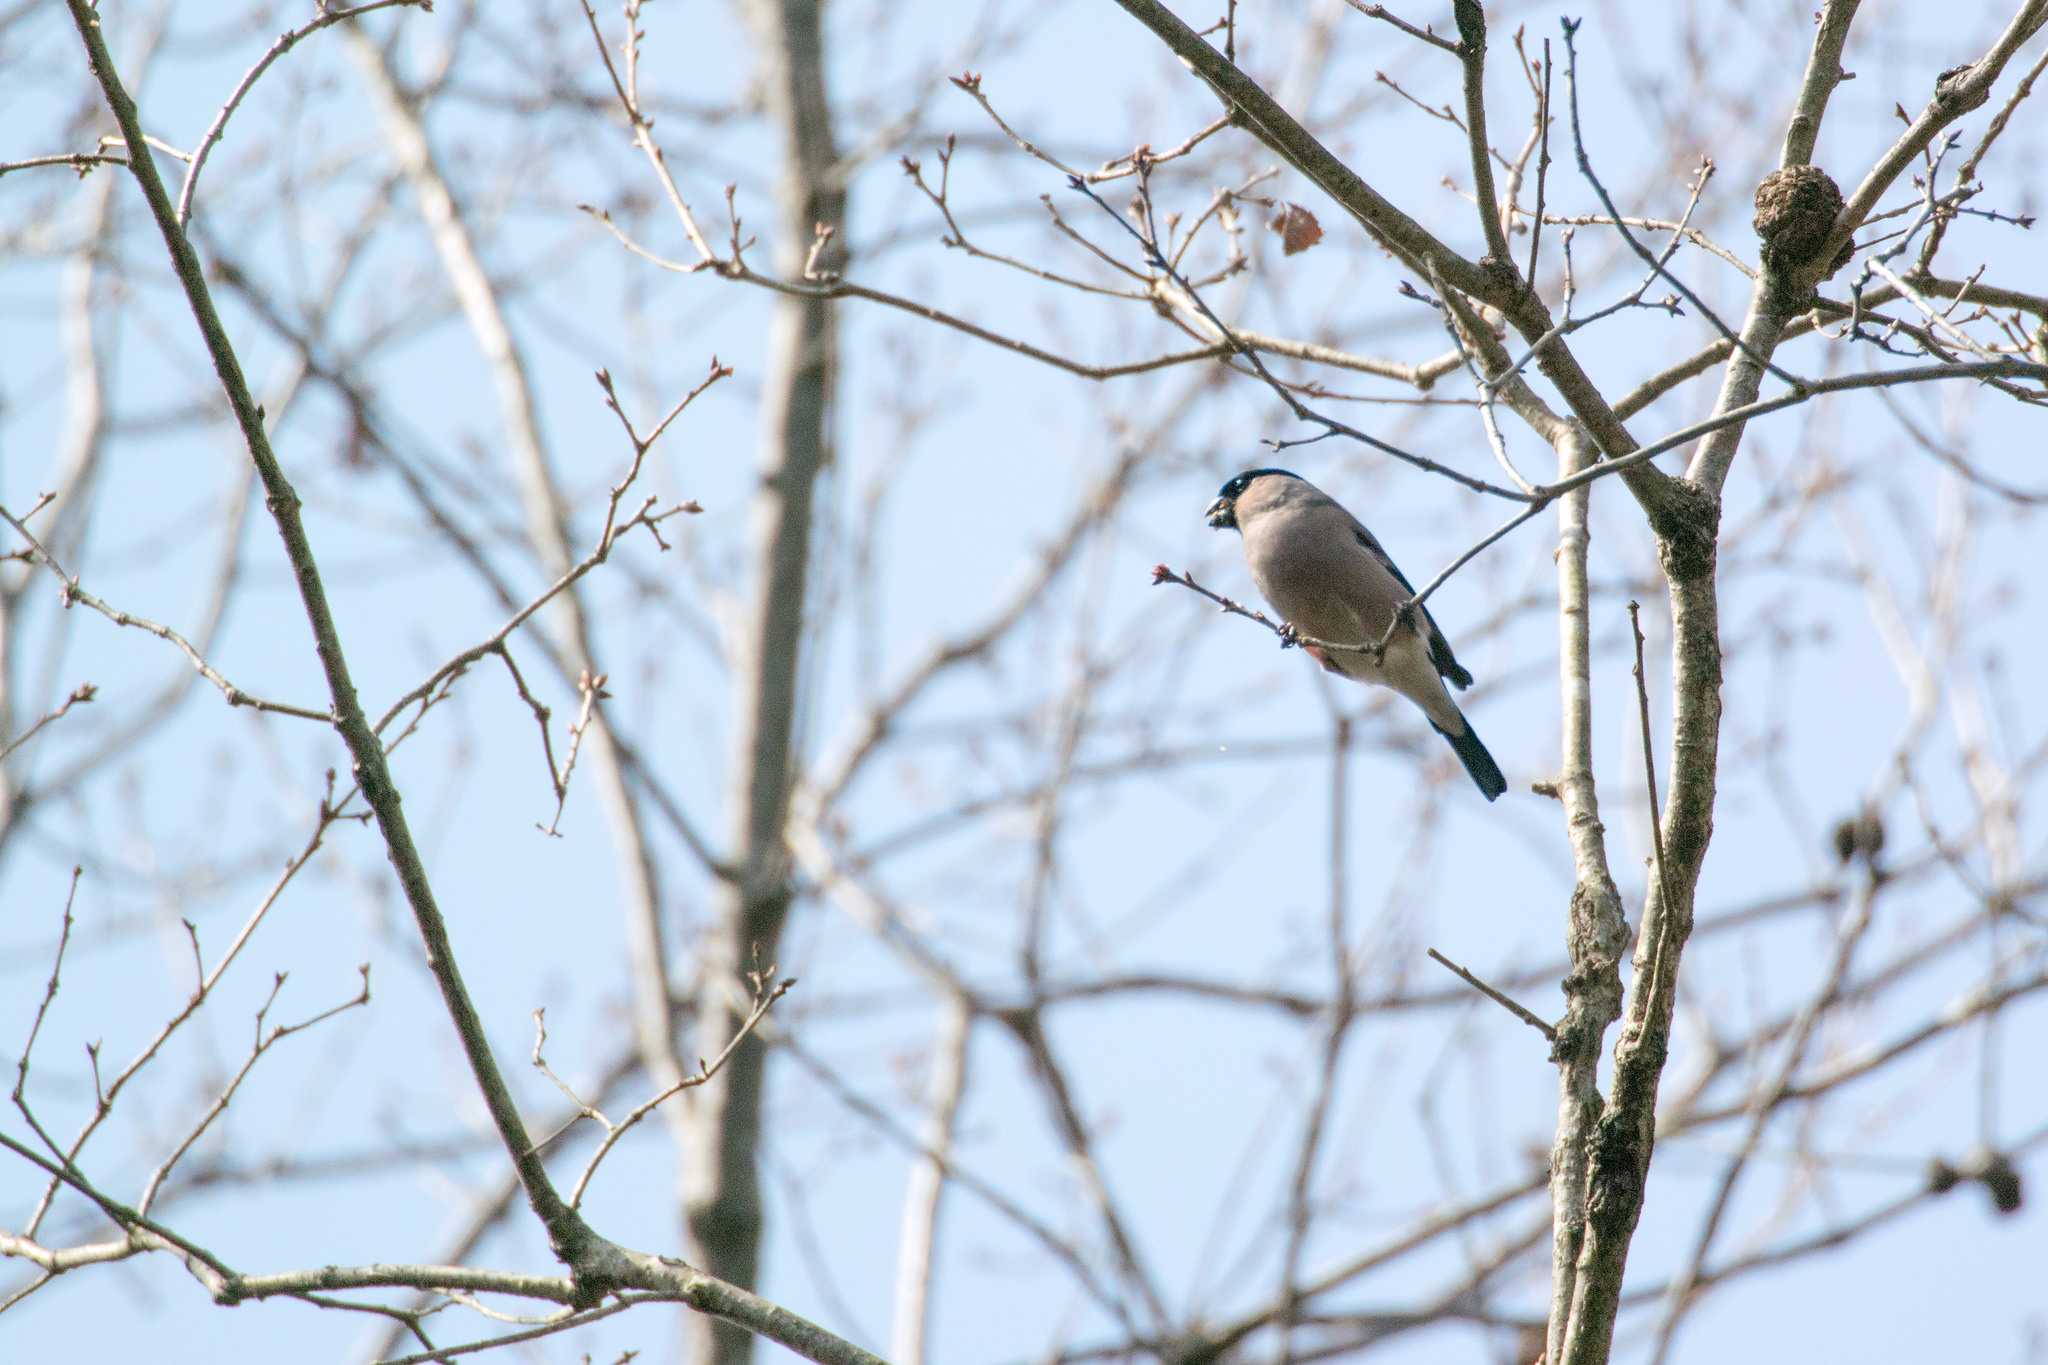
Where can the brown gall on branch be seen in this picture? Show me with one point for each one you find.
(1956, 93)
(1796, 209)
(1859, 836)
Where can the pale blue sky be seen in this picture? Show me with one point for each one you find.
(1213, 868)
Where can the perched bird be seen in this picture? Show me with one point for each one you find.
(1329, 579)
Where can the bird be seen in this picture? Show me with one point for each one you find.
(1330, 580)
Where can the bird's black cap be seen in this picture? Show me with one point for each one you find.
(1222, 513)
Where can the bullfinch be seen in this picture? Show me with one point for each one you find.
(1326, 576)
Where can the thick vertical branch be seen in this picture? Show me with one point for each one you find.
(1471, 17)
(916, 1250)
(721, 1188)
(1823, 74)
(1596, 931)
(1343, 1013)
(1775, 299)
(1621, 1143)
(1762, 329)
(1687, 542)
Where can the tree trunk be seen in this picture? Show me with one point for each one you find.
(721, 1187)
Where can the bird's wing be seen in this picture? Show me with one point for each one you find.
(1439, 648)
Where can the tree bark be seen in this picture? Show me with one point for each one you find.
(721, 1187)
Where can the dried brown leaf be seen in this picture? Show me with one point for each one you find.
(1297, 227)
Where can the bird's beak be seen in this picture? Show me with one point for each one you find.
(1222, 514)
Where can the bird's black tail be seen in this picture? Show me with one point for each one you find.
(1485, 772)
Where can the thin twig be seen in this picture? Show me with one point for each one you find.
(1156, 258)
(263, 1043)
(285, 43)
(1512, 1006)
(1381, 13)
(73, 593)
(1290, 638)
(566, 1231)
(1542, 168)
(80, 695)
(1571, 28)
(1471, 21)
(35, 1028)
(82, 162)
(766, 994)
(1635, 625)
